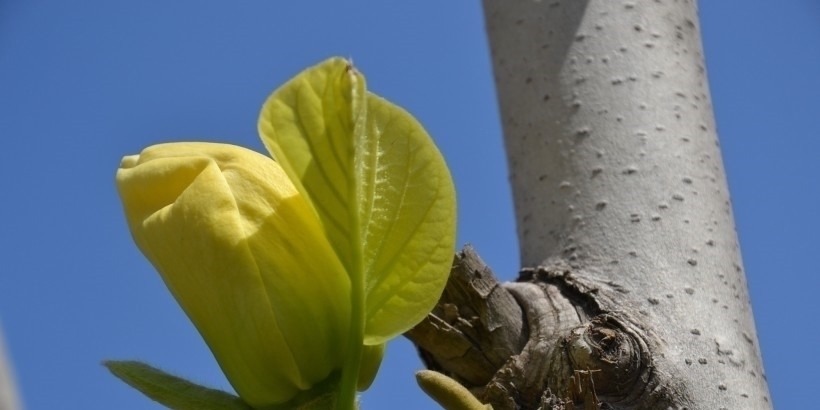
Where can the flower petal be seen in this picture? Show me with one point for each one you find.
(246, 258)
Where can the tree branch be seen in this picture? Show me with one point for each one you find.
(633, 294)
(582, 342)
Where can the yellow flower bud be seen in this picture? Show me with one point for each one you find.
(247, 259)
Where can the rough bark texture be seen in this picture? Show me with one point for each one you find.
(632, 294)
(8, 394)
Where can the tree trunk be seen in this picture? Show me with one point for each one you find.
(8, 394)
(632, 293)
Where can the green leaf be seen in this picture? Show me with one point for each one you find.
(377, 182)
(308, 125)
(371, 360)
(171, 391)
(408, 221)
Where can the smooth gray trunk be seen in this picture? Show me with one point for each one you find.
(8, 393)
(632, 292)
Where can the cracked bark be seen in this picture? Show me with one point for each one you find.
(552, 339)
(632, 293)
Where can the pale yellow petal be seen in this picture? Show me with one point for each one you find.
(246, 258)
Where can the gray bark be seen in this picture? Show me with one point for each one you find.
(8, 393)
(632, 293)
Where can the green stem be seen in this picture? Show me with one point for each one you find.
(350, 373)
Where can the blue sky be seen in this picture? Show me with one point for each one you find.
(84, 83)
